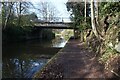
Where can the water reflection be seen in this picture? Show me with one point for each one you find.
(22, 68)
(23, 60)
(59, 42)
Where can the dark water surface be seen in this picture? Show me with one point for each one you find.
(24, 59)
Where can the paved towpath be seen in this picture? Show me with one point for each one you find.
(73, 61)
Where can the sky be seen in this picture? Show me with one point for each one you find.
(60, 6)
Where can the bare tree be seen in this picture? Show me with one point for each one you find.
(8, 6)
(22, 8)
(48, 12)
(19, 12)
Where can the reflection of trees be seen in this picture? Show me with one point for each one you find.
(58, 41)
(7, 69)
(12, 68)
(16, 67)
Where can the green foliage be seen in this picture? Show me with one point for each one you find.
(78, 16)
(84, 26)
(25, 20)
(108, 54)
(77, 12)
(109, 8)
(111, 37)
(3, 13)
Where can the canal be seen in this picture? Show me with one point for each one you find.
(24, 59)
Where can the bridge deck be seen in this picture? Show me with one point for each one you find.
(55, 27)
(55, 22)
(73, 61)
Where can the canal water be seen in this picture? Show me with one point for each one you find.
(23, 60)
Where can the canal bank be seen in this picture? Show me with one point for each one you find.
(73, 61)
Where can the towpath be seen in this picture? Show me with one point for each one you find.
(73, 61)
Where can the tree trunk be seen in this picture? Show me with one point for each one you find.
(93, 19)
(19, 14)
(85, 10)
(97, 12)
(8, 15)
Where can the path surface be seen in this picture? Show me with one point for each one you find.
(73, 61)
